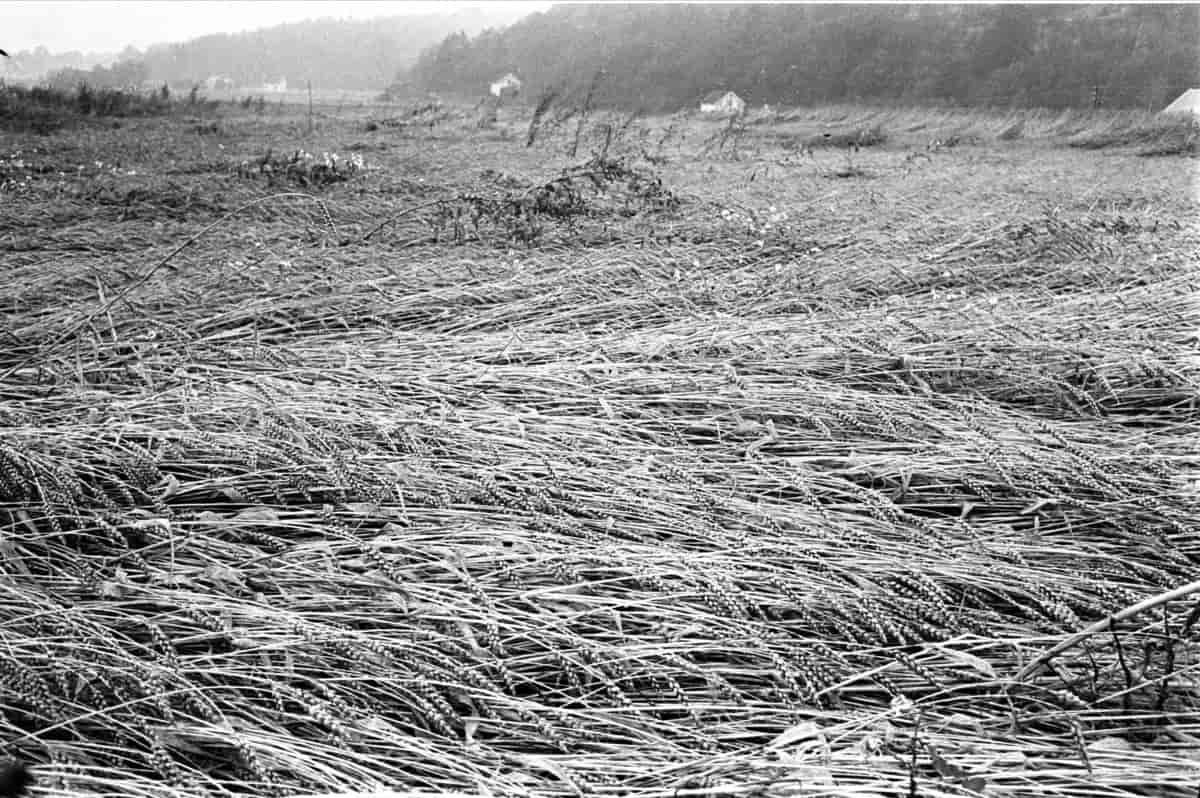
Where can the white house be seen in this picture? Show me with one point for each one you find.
(507, 86)
(1186, 103)
(725, 103)
(280, 86)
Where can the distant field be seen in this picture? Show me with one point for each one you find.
(298, 95)
(785, 458)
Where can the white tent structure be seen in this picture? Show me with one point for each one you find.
(1186, 103)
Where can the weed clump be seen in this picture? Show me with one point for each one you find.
(952, 141)
(302, 168)
(15, 173)
(1012, 132)
(258, 104)
(601, 188)
(426, 114)
(727, 140)
(873, 136)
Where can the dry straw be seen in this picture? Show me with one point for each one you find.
(881, 495)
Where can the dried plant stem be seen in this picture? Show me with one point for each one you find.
(1104, 625)
(104, 308)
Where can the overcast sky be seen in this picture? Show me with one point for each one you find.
(105, 25)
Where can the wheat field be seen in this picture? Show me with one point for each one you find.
(717, 459)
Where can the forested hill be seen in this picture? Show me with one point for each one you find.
(332, 53)
(666, 56)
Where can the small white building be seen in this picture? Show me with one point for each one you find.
(725, 103)
(507, 86)
(281, 85)
(1186, 103)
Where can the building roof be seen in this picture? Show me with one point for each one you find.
(1188, 102)
(714, 96)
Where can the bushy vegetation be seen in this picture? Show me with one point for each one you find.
(123, 75)
(44, 109)
(733, 480)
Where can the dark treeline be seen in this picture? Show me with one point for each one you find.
(119, 75)
(663, 57)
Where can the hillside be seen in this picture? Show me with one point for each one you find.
(332, 53)
(662, 57)
(345, 54)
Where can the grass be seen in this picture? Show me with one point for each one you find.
(1084, 128)
(734, 480)
(1174, 135)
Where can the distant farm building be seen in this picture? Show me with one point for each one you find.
(217, 82)
(280, 85)
(725, 103)
(507, 86)
(1186, 103)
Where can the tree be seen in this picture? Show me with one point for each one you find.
(663, 57)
